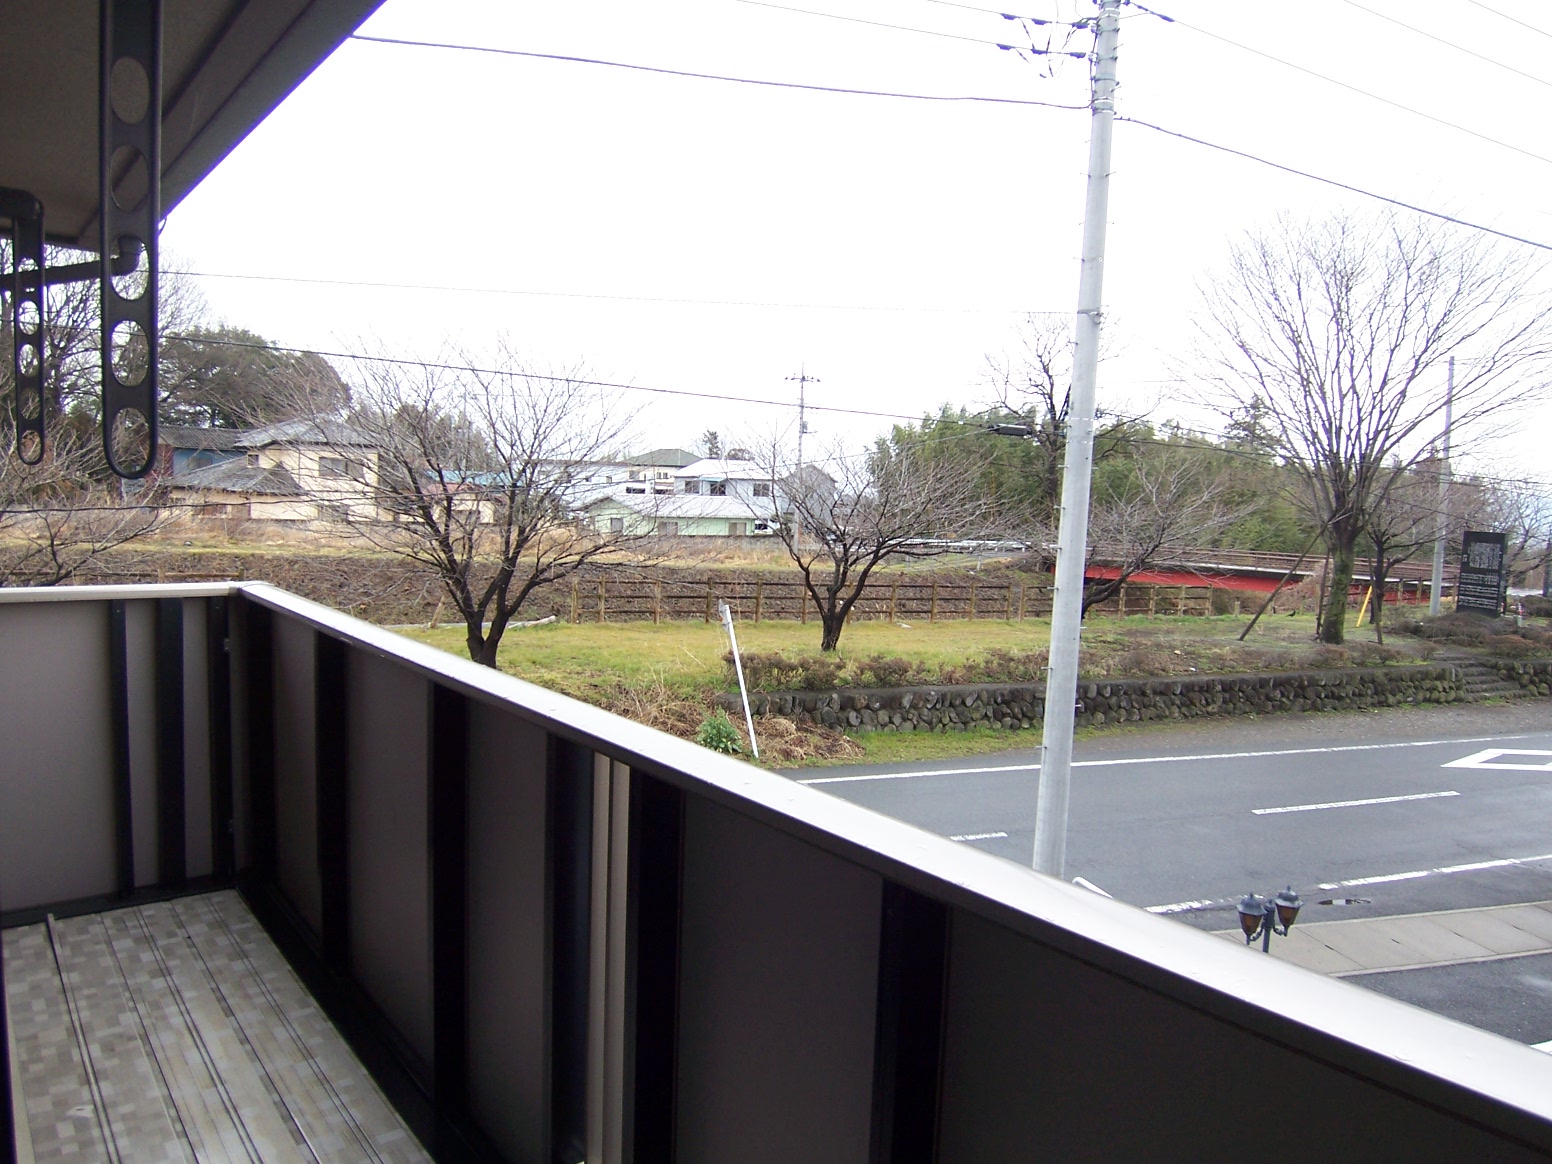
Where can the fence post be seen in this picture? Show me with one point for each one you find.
(1023, 590)
(575, 614)
(972, 599)
(1123, 600)
(802, 603)
(759, 598)
(1007, 614)
(657, 602)
(894, 595)
(1153, 599)
(711, 600)
(932, 609)
(602, 582)
(1182, 601)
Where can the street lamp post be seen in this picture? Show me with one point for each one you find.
(1263, 917)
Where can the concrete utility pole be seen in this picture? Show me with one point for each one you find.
(804, 380)
(1444, 499)
(1072, 536)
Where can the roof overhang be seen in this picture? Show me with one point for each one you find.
(225, 65)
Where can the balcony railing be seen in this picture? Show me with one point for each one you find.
(555, 935)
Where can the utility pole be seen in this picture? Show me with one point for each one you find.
(1072, 537)
(1444, 498)
(803, 381)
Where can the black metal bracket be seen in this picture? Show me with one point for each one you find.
(25, 284)
(130, 176)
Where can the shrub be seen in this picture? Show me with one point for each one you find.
(1514, 647)
(1223, 600)
(880, 671)
(774, 671)
(1536, 606)
(718, 733)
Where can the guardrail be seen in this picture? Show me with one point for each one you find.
(556, 935)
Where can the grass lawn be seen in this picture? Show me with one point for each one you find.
(685, 658)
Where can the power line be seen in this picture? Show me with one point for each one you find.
(1510, 19)
(1541, 246)
(474, 48)
(408, 363)
(923, 31)
(1011, 15)
(1447, 43)
(592, 295)
(1361, 92)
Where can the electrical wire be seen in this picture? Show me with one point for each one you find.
(1447, 43)
(615, 385)
(1511, 19)
(923, 31)
(1541, 246)
(589, 295)
(474, 48)
(1039, 20)
(1361, 92)
(927, 418)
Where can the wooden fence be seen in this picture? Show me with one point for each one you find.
(606, 599)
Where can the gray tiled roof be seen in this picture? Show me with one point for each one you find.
(182, 436)
(238, 477)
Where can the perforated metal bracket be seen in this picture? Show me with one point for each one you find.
(25, 285)
(130, 160)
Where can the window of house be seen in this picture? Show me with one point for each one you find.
(692, 486)
(253, 460)
(668, 527)
(340, 467)
(635, 489)
(737, 529)
(762, 488)
(719, 488)
(616, 525)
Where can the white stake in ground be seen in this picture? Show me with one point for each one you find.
(1072, 537)
(738, 665)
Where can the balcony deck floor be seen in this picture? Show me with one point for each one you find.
(176, 1033)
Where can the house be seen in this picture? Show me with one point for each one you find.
(709, 497)
(293, 470)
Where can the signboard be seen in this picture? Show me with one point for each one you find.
(1482, 575)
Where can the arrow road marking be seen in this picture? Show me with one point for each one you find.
(1494, 758)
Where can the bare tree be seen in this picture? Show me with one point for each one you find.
(841, 516)
(1402, 522)
(1173, 495)
(476, 475)
(1032, 387)
(1339, 331)
(62, 515)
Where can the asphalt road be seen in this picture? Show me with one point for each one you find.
(1395, 812)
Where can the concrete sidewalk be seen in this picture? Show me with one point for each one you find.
(1410, 941)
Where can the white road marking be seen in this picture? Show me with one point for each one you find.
(1085, 883)
(1411, 875)
(1493, 758)
(1182, 906)
(1351, 803)
(978, 837)
(1165, 759)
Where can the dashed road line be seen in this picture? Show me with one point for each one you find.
(1355, 882)
(1351, 803)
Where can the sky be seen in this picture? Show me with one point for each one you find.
(712, 237)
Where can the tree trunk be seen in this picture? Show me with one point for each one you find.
(833, 621)
(1333, 620)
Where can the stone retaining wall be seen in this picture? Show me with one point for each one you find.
(1017, 706)
(1535, 675)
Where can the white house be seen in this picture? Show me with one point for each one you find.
(710, 497)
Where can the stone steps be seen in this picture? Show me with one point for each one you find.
(1480, 679)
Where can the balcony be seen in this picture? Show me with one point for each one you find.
(549, 934)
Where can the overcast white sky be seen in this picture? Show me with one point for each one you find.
(700, 235)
